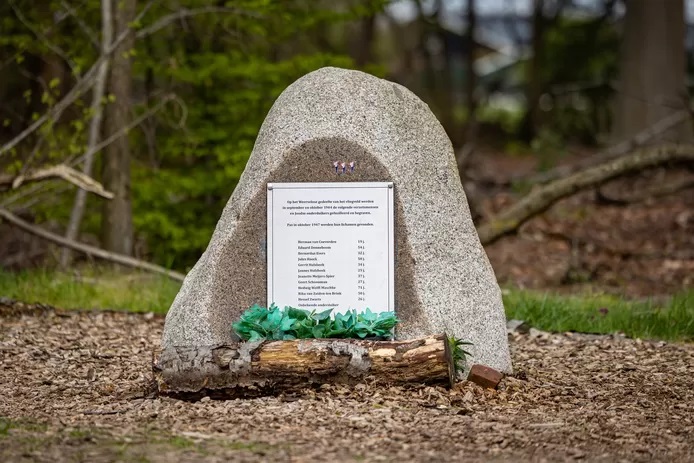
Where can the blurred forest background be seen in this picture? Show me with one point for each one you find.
(160, 101)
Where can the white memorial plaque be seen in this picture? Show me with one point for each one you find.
(330, 246)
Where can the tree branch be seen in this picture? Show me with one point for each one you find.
(89, 32)
(540, 199)
(124, 130)
(77, 90)
(624, 147)
(656, 191)
(86, 249)
(54, 48)
(181, 14)
(62, 171)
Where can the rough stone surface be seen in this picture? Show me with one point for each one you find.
(444, 281)
(485, 376)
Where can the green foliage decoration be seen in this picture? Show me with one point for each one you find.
(275, 324)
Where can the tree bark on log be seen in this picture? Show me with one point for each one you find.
(249, 369)
(542, 198)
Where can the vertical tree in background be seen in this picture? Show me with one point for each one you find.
(363, 40)
(533, 90)
(471, 77)
(652, 67)
(116, 220)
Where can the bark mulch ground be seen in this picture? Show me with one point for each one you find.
(76, 386)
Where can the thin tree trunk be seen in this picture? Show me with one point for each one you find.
(534, 73)
(471, 77)
(78, 207)
(464, 154)
(364, 40)
(652, 84)
(116, 219)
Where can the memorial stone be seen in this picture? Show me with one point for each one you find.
(336, 125)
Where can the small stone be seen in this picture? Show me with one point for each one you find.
(485, 376)
(517, 326)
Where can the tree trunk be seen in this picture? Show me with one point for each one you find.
(260, 368)
(533, 90)
(80, 203)
(363, 42)
(652, 84)
(471, 77)
(116, 220)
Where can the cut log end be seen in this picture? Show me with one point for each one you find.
(267, 368)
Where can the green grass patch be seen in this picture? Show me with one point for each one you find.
(670, 320)
(8, 424)
(91, 288)
(100, 288)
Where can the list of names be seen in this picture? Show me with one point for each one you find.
(330, 246)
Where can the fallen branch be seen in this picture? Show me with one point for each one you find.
(260, 368)
(656, 191)
(105, 412)
(70, 175)
(622, 148)
(541, 198)
(87, 249)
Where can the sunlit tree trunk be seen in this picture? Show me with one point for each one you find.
(116, 223)
(652, 66)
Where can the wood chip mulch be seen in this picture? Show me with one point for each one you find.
(76, 386)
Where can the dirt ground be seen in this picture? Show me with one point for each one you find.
(77, 387)
(622, 238)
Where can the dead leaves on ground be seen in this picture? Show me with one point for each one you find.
(583, 396)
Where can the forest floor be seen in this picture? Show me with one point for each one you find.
(623, 238)
(76, 386)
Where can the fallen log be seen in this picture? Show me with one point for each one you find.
(249, 369)
(542, 198)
